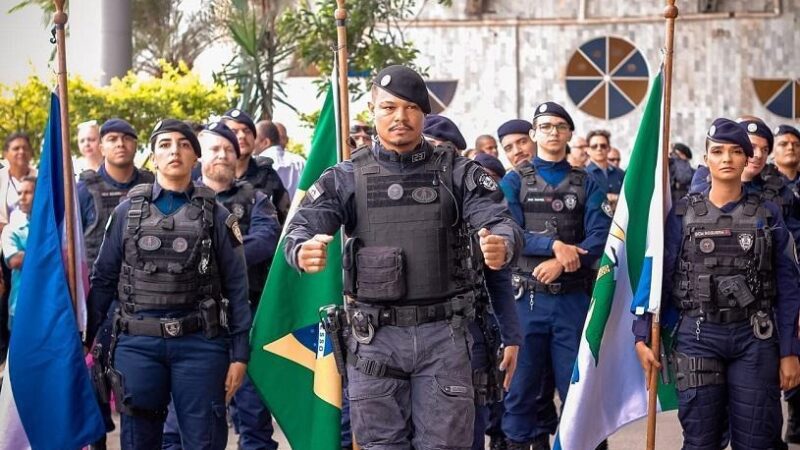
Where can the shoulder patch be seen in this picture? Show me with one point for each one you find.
(233, 225)
(315, 191)
(606, 207)
(476, 176)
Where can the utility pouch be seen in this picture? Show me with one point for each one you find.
(734, 290)
(210, 314)
(380, 274)
(349, 266)
(705, 284)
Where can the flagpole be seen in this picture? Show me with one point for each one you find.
(60, 20)
(670, 14)
(341, 51)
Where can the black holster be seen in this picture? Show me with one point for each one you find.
(334, 321)
(99, 373)
(210, 314)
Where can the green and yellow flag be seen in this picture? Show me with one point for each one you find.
(292, 363)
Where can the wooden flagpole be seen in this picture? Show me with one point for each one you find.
(60, 20)
(670, 14)
(344, 96)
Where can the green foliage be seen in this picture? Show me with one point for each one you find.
(142, 101)
(374, 36)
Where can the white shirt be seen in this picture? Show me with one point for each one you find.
(288, 165)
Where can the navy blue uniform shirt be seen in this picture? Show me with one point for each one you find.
(86, 201)
(596, 222)
(610, 179)
(501, 295)
(787, 307)
(333, 205)
(230, 264)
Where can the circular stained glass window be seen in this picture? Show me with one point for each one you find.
(780, 96)
(607, 77)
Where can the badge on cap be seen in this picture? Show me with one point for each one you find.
(236, 113)
(776, 130)
(213, 125)
(712, 131)
(386, 80)
(158, 126)
(752, 128)
(543, 108)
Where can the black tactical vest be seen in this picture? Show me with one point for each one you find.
(418, 212)
(556, 212)
(241, 205)
(168, 261)
(105, 198)
(719, 248)
(772, 189)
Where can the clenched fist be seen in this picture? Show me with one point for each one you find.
(493, 248)
(313, 254)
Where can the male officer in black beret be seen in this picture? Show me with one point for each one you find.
(680, 171)
(516, 141)
(441, 130)
(412, 211)
(566, 219)
(99, 192)
(173, 259)
(256, 171)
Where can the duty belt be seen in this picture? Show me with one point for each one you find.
(409, 316)
(164, 327)
(581, 285)
(723, 316)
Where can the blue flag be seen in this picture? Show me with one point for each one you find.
(50, 380)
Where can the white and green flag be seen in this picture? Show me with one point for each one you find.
(608, 387)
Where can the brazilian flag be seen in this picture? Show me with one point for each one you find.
(292, 363)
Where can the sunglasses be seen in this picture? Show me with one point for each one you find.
(614, 159)
(599, 146)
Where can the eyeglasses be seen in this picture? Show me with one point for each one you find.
(549, 127)
(360, 129)
(613, 159)
(599, 146)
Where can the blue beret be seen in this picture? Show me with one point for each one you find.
(554, 109)
(443, 129)
(405, 83)
(118, 126)
(222, 130)
(490, 162)
(683, 148)
(514, 126)
(237, 115)
(787, 129)
(729, 132)
(178, 126)
(760, 129)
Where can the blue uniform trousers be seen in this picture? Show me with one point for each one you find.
(480, 361)
(252, 419)
(749, 401)
(189, 370)
(552, 330)
(346, 430)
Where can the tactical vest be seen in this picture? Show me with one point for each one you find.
(267, 180)
(556, 212)
(717, 249)
(409, 225)
(168, 260)
(105, 198)
(241, 205)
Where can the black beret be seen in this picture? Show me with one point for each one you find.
(683, 148)
(443, 129)
(237, 115)
(490, 162)
(405, 83)
(760, 129)
(727, 131)
(787, 129)
(222, 130)
(178, 126)
(554, 109)
(514, 126)
(118, 126)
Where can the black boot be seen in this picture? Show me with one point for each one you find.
(542, 442)
(497, 443)
(512, 445)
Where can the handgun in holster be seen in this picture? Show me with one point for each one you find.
(736, 287)
(334, 321)
(210, 314)
(99, 374)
